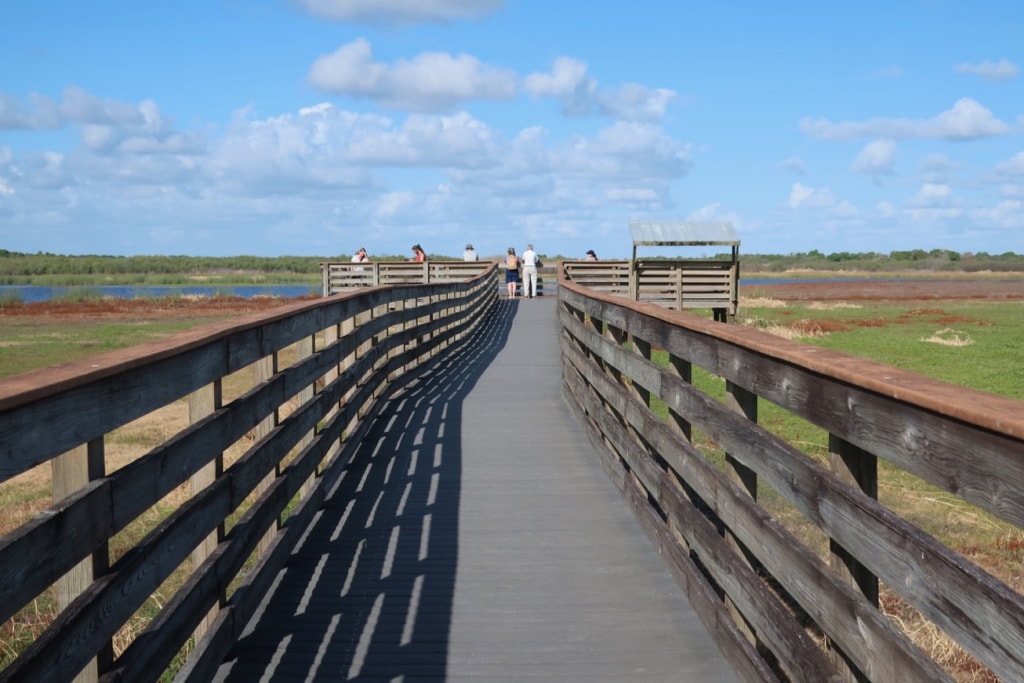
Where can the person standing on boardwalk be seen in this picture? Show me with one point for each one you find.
(418, 255)
(591, 256)
(530, 262)
(470, 254)
(511, 272)
(360, 257)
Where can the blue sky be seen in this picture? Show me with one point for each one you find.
(314, 127)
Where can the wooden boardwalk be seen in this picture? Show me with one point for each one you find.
(476, 537)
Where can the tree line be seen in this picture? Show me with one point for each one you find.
(15, 265)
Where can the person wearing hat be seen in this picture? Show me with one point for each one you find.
(591, 256)
(470, 254)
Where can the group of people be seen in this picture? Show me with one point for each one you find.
(518, 268)
(522, 269)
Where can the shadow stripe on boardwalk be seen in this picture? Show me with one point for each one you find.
(475, 536)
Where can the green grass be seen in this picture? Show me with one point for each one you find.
(36, 344)
(923, 339)
(911, 337)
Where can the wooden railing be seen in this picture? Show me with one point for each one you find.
(295, 427)
(678, 284)
(342, 276)
(777, 607)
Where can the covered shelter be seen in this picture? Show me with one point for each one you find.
(687, 282)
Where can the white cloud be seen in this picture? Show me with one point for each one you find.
(876, 158)
(1003, 70)
(931, 195)
(40, 112)
(579, 95)
(400, 12)
(77, 107)
(966, 120)
(458, 141)
(431, 81)
(1012, 166)
(1008, 213)
(716, 212)
(802, 196)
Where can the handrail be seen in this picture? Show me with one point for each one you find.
(749, 578)
(678, 284)
(344, 275)
(297, 425)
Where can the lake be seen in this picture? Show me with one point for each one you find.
(34, 293)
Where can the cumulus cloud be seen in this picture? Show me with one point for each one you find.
(1003, 70)
(931, 195)
(38, 113)
(400, 12)
(328, 167)
(104, 125)
(876, 158)
(431, 81)
(965, 121)
(804, 196)
(579, 94)
(458, 141)
(1012, 166)
(76, 107)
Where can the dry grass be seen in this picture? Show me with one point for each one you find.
(30, 494)
(945, 651)
(949, 337)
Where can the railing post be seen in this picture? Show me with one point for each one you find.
(72, 471)
(859, 468)
(201, 404)
(263, 370)
(305, 348)
(744, 402)
(684, 370)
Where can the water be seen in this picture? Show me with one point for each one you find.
(35, 293)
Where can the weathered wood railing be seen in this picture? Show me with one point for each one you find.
(342, 276)
(774, 604)
(679, 284)
(296, 427)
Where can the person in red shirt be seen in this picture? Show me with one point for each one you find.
(418, 255)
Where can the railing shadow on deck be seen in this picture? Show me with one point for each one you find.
(369, 590)
(318, 373)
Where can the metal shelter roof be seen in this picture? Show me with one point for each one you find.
(682, 233)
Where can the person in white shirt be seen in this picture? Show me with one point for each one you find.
(470, 254)
(360, 257)
(530, 262)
